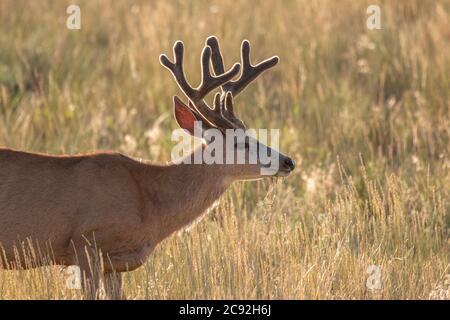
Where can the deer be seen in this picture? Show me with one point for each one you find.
(72, 205)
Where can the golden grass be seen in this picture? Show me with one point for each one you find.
(365, 112)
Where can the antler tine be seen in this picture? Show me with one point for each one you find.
(210, 82)
(176, 68)
(217, 103)
(227, 105)
(216, 58)
(249, 72)
(223, 104)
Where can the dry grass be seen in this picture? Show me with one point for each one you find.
(365, 112)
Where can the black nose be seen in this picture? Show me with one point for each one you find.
(289, 163)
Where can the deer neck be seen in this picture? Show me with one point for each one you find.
(177, 194)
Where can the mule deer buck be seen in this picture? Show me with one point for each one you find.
(119, 206)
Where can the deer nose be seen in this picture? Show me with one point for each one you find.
(289, 163)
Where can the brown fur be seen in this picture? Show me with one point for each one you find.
(125, 206)
(71, 207)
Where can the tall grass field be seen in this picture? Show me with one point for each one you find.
(364, 113)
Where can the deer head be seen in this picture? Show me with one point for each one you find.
(242, 153)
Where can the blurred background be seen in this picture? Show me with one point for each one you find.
(365, 114)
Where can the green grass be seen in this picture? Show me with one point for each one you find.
(365, 113)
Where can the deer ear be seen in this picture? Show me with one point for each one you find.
(184, 116)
